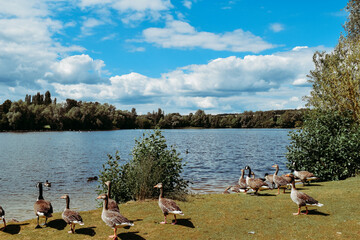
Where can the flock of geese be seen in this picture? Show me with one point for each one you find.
(269, 181)
(110, 213)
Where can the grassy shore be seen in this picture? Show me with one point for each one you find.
(222, 216)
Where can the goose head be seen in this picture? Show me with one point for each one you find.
(64, 196)
(102, 196)
(159, 185)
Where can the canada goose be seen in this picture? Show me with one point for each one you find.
(2, 215)
(113, 219)
(279, 180)
(69, 216)
(254, 183)
(112, 205)
(42, 208)
(300, 198)
(226, 191)
(304, 175)
(167, 206)
(242, 181)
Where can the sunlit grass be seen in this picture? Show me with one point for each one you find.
(222, 216)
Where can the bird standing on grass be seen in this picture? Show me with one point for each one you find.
(112, 218)
(2, 215)
(69, 216)
(300, 198)
(167, 206)
(42, 208)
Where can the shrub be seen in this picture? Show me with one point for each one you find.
(152, 162)
(327, 145)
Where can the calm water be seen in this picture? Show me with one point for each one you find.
(67, 159)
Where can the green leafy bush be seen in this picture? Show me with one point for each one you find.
(152, 162)
(327, 145)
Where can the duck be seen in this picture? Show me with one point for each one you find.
(42, 208)
(300, 198)
(279, 180)
(90, 179)
(304, 175)
(69, 216)
(2, 215)
(111, 218)
(254, 183)
(167, 206)
(112, 205)
(47, 184)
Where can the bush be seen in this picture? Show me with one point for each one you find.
(327, 145)
(152, 162)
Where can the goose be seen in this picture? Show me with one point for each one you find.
(69, 216)
(47, 184)
(42, 207)
(111, 218)
(300, 198)
(112, 205)
(167, 206)
(269, 179)
(304, 175)
(279, 180)
(2, 215)
(242, 181)
(254, 183)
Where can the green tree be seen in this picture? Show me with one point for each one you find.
(327, 145)
(152, 162)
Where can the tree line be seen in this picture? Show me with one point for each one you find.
(40, 112)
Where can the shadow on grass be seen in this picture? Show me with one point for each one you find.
(86, 231)
(316, 212)
(58, 224)
(263, 195)
(185, 222)
(13, 228)
(130, 236)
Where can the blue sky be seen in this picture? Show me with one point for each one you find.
(217, 55)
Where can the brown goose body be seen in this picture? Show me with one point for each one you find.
(167, 206)
(112, 205)
(279, 180)
(42, 208)
(71, 217)
(303, 175)
(254, 183)
(112, 218)
(2, 216)
(300, 198)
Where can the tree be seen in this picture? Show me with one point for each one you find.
(47, 98)
(352, 25)
(152, 162)
(327, 145)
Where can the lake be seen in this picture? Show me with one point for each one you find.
(214, 158)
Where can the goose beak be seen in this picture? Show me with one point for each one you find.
(273, 166)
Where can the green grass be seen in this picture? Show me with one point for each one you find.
(223, 216)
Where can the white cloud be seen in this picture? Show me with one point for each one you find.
(251, 83)
(131, 10)
(187, 4)
(75, 69)
(179, 34)
(89, 24)
(277, 27)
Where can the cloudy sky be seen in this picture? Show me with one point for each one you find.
(222, 56)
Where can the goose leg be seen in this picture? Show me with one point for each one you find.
(284, 190)
(45, 224)
(164, 222)
(174, 221)
(114, 236)
(38, 225)
(306, 210)
(298, 213)
(70, 228)
(4, 223)
(278, 190)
